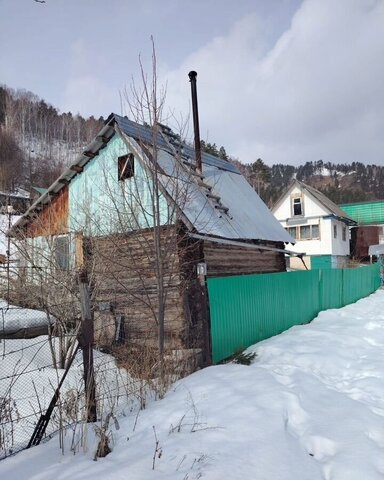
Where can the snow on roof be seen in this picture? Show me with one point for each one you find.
(15, 320)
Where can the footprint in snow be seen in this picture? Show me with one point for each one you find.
(321, 448)
(297, 419)
(297, 423)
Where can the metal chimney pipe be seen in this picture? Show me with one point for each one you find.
(192, 78)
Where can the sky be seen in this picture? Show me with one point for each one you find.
(288, 81)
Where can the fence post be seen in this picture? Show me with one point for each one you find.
(203, 289)
(43, 421)
(86, 341)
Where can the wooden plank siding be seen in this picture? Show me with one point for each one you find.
(53, 219)
(225, 260)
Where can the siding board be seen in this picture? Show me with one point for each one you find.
(53, 219)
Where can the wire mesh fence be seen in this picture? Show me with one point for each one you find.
(31, 370)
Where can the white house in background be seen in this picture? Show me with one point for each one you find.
(319, 226)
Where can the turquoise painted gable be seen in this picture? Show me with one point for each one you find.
(100, 204)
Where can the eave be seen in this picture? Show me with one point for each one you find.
(91, 151)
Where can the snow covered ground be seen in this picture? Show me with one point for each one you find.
(310, 407)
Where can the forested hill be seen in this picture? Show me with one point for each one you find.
(37, 142)
(342, 183)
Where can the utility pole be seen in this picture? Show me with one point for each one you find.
(86, 341)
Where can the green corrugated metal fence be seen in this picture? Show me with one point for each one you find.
(250, 308)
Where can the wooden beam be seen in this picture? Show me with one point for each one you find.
(103, 138)
(64, 181)
(76, 168)
(89, 154)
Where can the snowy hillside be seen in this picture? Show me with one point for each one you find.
(310, 407)
(4, 226)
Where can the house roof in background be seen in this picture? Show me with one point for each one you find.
(376, 249)
(325, 201)
(330, 206)
(365, 213)
(40, 190)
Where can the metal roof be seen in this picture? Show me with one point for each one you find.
(365, 213)
(220, 200)
(168, 141)
(325, 201)
(376, 249)
(220, 203)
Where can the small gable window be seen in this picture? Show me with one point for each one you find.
(334, 231)
(297, 206)
(126, 166)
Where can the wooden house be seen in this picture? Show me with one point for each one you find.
(319, 226)
(15, 203)
(134, 197)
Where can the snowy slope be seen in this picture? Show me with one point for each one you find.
(310, 407)
(4, 226)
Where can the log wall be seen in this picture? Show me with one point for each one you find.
(124, 275)
(225, 260)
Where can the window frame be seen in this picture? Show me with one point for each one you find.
(125, 167)
(289, 232)
(300, 203)
(297, 236)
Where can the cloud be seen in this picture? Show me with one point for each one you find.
(85, 90)
(316, 93)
